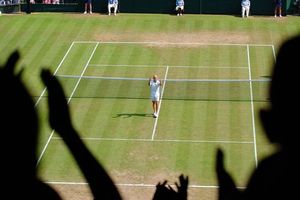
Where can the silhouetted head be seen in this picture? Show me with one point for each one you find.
(281, 120)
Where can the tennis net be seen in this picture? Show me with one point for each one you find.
(175, 89)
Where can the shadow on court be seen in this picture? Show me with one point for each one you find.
(128, 115)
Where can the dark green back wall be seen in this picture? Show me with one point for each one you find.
(259, 7)
(232, 7)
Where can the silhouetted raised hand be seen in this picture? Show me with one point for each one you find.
(166, 192)
(19, 133)
(227, 188)
(99, 181)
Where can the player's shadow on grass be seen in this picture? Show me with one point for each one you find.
(128, 115)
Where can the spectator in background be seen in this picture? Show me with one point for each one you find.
(274, 175)
(179, 7)
(297, 7)
(245, 8)
(112, 4)
(28, 7)
(278, 8)
(88, 6)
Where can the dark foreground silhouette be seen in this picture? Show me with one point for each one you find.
(277, 176)
(19, 134)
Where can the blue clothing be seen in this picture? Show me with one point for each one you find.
(112, 1)
(87, 1)
(245, 3)
(179, 2)
(278, 3)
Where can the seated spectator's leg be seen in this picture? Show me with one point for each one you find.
(115, 9)
(243, 11)
(247, 11)
(109, 8)
(178, 10)
(91, 9)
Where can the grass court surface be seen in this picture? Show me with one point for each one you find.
(216, 71)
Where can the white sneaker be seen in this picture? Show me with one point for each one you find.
(84, 12)
(115, 14)
(275, 16)
(178, 14)
(280, 16)
(108, 13)
(91, 12)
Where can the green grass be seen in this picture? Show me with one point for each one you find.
(195, 118)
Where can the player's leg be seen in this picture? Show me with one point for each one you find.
(153, 107)
(156, 107)
(181, 10)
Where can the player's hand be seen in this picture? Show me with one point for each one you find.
(59, 115)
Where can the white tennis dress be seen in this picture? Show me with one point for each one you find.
(154, 90)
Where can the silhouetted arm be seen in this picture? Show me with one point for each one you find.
(227, 188)
(182, 187)
(100, 183)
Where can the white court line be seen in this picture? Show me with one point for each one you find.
(274, 52)
(69, 99)
(86, 42)
(161, 140)
(81, 75)
(163, 66)
(175, 43)
(161, 98)
(252, 107)
(61, 62)
(135, 185)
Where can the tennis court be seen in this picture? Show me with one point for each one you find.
(211, 95)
